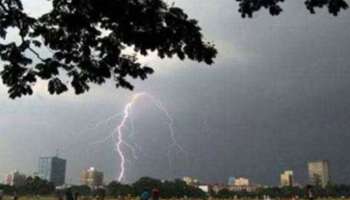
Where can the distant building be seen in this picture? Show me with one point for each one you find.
(231, 180)
(15, 179)
(287, 179)
(217, 187)
(52, 169)
(91, 177)
(190, 180)
(241, 182)
(319, 173)
(204, 188)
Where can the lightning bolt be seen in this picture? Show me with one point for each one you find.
(120, 134)
(123, 124)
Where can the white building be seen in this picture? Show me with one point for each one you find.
(287, 178)
(319, 172)
(241, 182)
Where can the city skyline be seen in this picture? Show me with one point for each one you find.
(93, 178)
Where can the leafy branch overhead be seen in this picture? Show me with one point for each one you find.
(87, 40)
(249, 7)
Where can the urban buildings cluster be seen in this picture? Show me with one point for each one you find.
(53, 169)
(318, 172)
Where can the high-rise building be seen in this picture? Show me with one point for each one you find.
(319, 172)
(287, 178)
(15, 179)
(91, 177)
(52, 169)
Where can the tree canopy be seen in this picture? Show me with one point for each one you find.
(249, 7)
(87, 40)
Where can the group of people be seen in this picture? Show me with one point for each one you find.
(155, 194)
(100, 195)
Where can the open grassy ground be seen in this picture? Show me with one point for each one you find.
(107, 198)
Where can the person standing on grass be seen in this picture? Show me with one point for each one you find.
(155, 194)
(76, 195)
(15, 196)
(60, 195)
(145, 195)
(1, 194)
(309, 193)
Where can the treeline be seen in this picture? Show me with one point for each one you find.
(174, 189)
(31, 186)
(169, 189)
(334, 191)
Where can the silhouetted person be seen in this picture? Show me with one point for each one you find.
(15, 195)
(309, 193)
(1, 194)
(76, 196)
(69, 194)
(59, 195)
(155, 194)
(145, 195)
(101, 193)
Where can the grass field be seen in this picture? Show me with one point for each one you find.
(107, 198)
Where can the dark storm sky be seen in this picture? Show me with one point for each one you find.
(277, 97)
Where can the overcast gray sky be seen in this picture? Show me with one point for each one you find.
(277, 97)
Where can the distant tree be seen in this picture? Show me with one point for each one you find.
(146, 183)
(168, 189)
(36, 186)
(86, 40)
(224, 194)
(116, 189)
(7, 189)
(82, 189)
(317, 181)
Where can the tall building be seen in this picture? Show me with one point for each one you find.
(91, 177)
(52, 169)
(287, 178)
(15, 179)
(319, 172)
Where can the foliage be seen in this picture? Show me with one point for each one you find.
(168, 189)
(6, 189)
(334, 191)
(248, 7)
(36, 186)
(116, 189)
(177, 189)
(87, 40)
(146, 183)
(82, 190)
